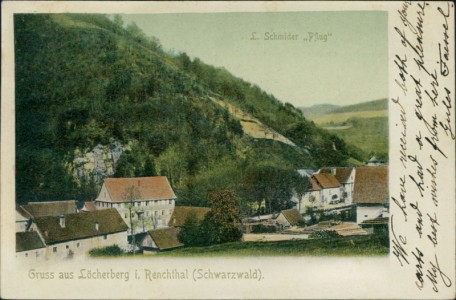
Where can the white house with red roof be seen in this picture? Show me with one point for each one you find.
(150, 200)
(329, 188)
(346, 178)
(371, 193)
(325, 190)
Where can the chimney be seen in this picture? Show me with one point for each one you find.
(97, 226)
(333, 171)
(62, 221)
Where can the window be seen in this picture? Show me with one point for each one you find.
(78, 245)
(170, 211)
(26, 254)
(105, 237)
(170, 201)
(54, 249)
(125, 216)
(163, 212)
(365, 216)
(155, 213)
(67, 246)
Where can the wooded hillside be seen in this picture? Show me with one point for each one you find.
(86, 80)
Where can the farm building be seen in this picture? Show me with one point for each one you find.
(29, 246)
(371, 193)
(161, 240)
(289, 217)
(181, 213)
(75, 234)
(149, 200)
(50, 208)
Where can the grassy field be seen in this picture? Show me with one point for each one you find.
(368, 134)
(370, 245)
(337, 118)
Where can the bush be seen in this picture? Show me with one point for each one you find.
(260, 228)
(106, 251)
(324, 234)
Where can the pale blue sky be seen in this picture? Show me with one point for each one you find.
(350, 67)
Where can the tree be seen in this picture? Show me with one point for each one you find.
(118, 23)
(270, 183)
(149, 168)
(221, 224)
(301, 186)
(130, 195)
(225, 206)
(189, 232)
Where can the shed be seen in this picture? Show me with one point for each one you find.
(161, 240)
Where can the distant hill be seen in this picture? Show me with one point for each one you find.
(96, 98)
(375, 105)
(318, 110)
(363, 125)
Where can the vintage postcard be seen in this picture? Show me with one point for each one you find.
(208, 150)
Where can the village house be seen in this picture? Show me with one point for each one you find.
(149, 201)
(23, 220)
(371, 193)
(75, 234)
(161, 240)
(88, 206)
(181, 213)
(288, 218)
(50, 208)
(310, 199)
(26, 213)
(346, 177)
(373, 162)
(30, 246)
(329, 188)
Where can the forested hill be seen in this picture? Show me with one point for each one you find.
(85, 83)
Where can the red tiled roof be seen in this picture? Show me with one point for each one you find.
(315, 186)
(80, 225)
(89, 206)
(327, 180)
(371, 185)
(150, 188)
(342, 173)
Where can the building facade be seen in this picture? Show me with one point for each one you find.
(144, 202)
(73, 235)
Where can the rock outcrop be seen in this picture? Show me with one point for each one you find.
(98, 163)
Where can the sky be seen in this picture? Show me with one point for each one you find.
(346, 64)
